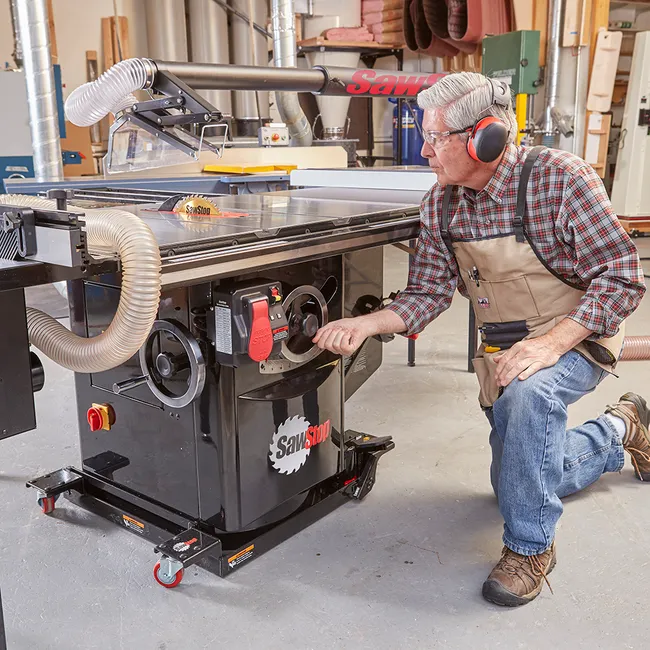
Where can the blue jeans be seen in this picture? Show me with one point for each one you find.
(536, 461)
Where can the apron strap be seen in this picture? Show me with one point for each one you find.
(445, 221)
(520, 212)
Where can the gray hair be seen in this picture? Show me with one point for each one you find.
(462, 97)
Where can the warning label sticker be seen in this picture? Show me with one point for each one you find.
(281, 333)
(133, 524)
(240, 557)
(223, 335)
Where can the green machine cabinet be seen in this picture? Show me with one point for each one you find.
(514, 58)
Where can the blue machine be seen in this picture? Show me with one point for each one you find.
(16, 159)
(411, 138)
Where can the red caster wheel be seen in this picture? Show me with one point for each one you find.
(167, 580)
(47, 504)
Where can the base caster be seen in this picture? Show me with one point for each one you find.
(47, 504)
(167, 573)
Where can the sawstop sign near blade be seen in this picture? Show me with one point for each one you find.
(200, 206)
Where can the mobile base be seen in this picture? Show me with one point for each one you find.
(182, 541)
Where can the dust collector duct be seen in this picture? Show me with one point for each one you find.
(34, 35)
(209, 44)
(166, 31)
(636, 348)
(17, 54)
(284, 56)
(111, 93)
(244, 104)
(123, 233)
(552, 75)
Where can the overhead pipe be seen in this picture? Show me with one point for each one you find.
(34, 35)
(166, 29)
(552, 73)
(250, 109)
(235, 12)
(320, 80)
(284, 56)
(17, 54)
(580, 103)
(209, 44)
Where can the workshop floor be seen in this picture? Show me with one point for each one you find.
(403, 569)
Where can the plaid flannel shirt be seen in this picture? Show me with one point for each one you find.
(570, 220)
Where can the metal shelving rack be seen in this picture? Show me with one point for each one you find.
(369, 54)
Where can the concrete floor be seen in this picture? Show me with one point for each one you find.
(402, 569)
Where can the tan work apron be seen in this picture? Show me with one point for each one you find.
(507, 282)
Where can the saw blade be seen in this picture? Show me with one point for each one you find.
(196, 205)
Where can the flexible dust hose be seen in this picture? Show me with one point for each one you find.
(110, 93)
(636, 348)
(129, 237)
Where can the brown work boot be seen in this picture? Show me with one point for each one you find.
(633, 410)
(518, 579)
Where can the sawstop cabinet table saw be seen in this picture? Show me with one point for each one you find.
(226, 433)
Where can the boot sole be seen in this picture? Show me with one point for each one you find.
(495, 592)
(644, 477)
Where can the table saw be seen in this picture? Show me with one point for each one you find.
(225, 433)
(209, 423)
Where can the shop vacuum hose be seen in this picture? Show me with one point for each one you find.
(110, 93)
(636, 348)
(128, 236)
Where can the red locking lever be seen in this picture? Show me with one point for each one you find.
(260, 342)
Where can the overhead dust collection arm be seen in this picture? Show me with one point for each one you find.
(159, 123)
(320, 80)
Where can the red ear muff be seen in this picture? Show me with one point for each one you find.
(487, 140)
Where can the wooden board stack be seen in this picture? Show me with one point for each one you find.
(384, 20)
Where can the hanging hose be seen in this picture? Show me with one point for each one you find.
(125, 234)
(110, 93)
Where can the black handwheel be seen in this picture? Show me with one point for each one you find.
(306, 312)
(159, 366)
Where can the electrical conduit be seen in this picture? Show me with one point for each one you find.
(125, 234)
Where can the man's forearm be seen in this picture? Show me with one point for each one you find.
(384, 321)
(566, 335)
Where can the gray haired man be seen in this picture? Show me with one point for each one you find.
(530, 238)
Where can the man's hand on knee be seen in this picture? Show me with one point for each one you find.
(524, 359)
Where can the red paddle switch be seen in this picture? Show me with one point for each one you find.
(260, 342)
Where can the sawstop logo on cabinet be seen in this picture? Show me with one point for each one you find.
(293, 441)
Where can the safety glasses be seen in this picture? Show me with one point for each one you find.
(434, 138)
